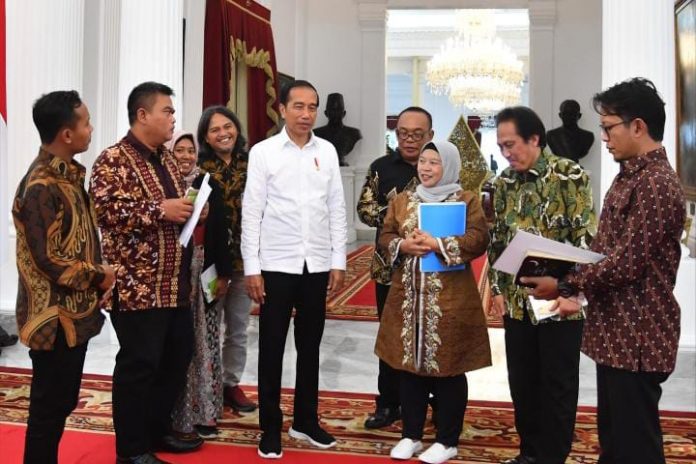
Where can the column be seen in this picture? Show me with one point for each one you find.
(542, 20)
(192, 97)
(44, 53)
(101, 71)
(372, 15)
(373, 28)
(151, 49)
(652, 57)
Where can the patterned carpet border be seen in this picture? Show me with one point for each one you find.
(488, 434)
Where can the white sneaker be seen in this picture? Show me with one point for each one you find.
(437, 454)
(405, 449)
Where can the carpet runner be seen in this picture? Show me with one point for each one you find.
(488, 435)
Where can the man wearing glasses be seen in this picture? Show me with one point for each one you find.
(389, 175)
(632, 327)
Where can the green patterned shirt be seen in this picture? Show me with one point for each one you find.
(553, 199)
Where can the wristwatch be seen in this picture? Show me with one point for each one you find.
(566, 289)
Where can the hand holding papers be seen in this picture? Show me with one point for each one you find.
(441, 220)
(200, 199)
(531, 255)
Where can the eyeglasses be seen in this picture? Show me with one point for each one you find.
(605, 129)
(416, 136)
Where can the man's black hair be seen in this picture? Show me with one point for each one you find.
(143, 96)
(526, 121)
(632, 99)
(54, 111)
(285, 93)
(417, 109)
(206, 151)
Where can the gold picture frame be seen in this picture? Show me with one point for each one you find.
(685, 36)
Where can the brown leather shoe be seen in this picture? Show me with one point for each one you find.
(237, 400)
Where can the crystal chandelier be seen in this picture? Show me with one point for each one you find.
(475, 69)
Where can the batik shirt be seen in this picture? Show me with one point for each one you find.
(58, 256)
(229, 180)
(632, 316)
(387, 176)
(552, 199)
(129, 183)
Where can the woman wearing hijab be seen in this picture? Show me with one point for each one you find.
(200, 404)
(433, 328)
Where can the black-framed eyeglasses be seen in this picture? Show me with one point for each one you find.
(416, 136)
(605, 129)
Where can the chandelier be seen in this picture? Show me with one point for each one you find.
(474, 68)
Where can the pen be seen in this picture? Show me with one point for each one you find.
(316, 163)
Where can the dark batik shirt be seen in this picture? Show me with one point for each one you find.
(58, 256)
(387, 176)
(228, 182)
(633, 317)
(129, 183)
(554, 200)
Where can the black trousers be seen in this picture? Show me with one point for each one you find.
(306, 293)
(150, 372)
(543, 372)
(450, 392)
(55, 389)
(628, 419)
(388, 378)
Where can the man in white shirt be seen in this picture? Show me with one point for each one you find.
(294, 251)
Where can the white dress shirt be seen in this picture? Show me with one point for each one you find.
(293, 209)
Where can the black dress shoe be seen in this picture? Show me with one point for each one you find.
(147, 458)
(382, 418)
(175, 444)
(520, 460)
(7, 339)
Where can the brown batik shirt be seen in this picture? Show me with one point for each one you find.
(633, 318)
(58, 255)
(129, 183)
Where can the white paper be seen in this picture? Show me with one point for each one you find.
(209, 283)
(541, 308)
(524, 242)
(201, 199)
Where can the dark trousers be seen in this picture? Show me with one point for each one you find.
(55, 388)
(150, 372)
(628, 420)
(307, 294)
(388, 378)
(543, 372)
(450, 392)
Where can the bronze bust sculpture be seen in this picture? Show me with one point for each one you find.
(343, 138)
(569, 140)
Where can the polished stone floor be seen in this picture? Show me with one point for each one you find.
(348, 364)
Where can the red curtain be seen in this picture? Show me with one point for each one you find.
(240, 30)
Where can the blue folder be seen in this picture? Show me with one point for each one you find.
(441, 220)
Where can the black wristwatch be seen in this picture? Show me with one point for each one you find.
(566, 289)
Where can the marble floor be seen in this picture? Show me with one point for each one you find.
(348, 364)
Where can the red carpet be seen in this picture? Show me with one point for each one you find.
(488, 435)
(356, 300)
